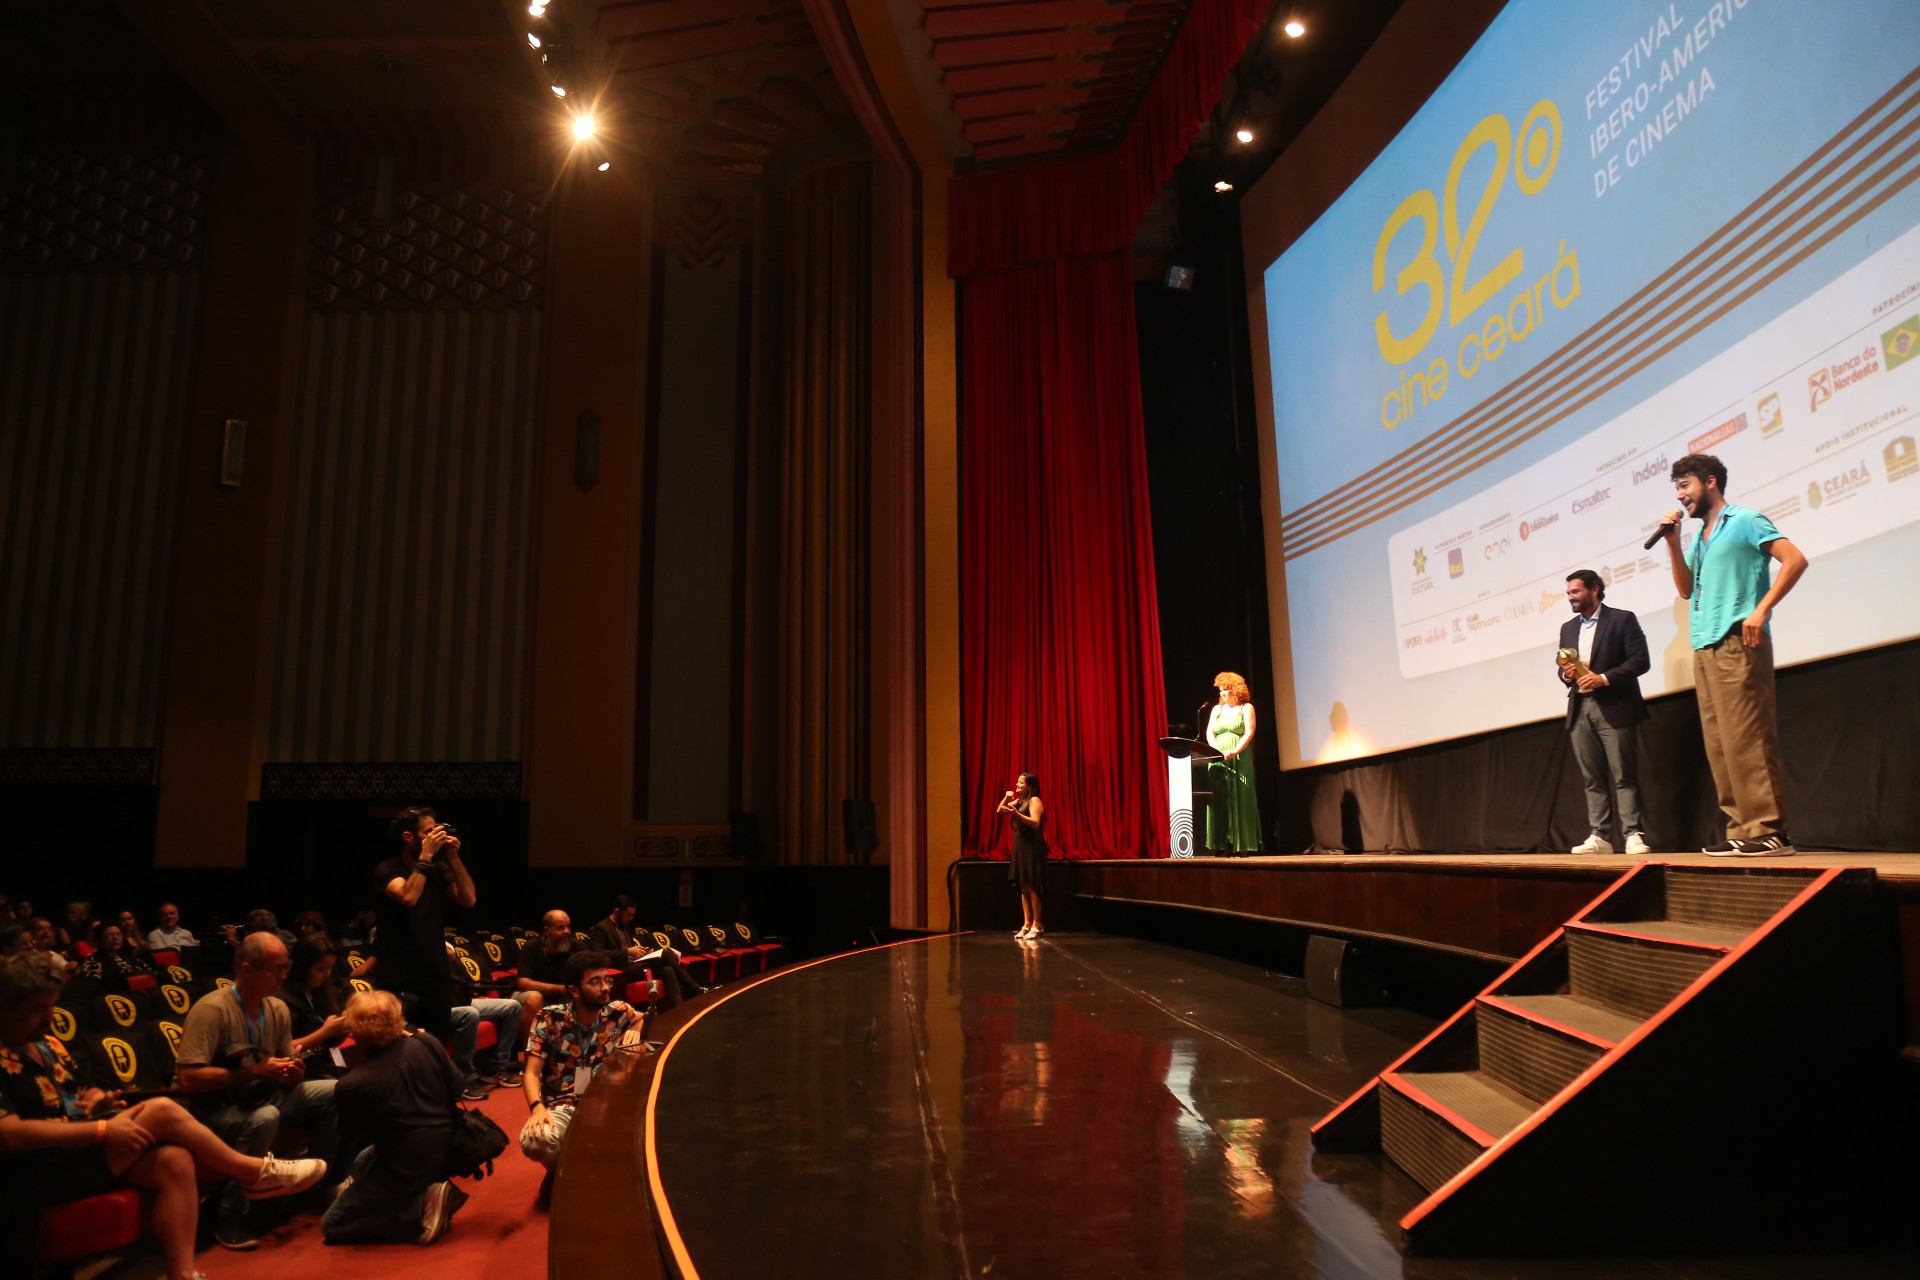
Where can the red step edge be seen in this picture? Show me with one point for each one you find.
(1542, 1020)
(1616, 931)
(1613, 1055)
(1513, 969)
(1468, 1129)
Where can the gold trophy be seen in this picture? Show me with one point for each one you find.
(1562, 658)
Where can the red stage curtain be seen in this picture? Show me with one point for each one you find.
(1061, 636)
(1061, 665)
(1092, 203)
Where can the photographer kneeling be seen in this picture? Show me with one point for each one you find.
(401, 1102)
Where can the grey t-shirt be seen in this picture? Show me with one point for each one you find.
(217, 1022)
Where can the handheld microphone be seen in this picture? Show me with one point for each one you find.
(1654, 537)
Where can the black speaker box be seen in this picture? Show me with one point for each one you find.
(860, 826)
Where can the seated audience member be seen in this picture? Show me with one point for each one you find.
(167, 935)
(400, 1103)
(308, 922)
(237, 1067)
(15, 938)
(477, 1071)
(261, 920)
(62, 1139)
(45, 938)
(132, 936)
(314, 1002)
(77, 927)
(22, 909)
(643, 960)
(359, 930)
(568, 1047)
(542, 964)
(110, 964)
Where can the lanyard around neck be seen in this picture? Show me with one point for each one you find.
(257, 1034)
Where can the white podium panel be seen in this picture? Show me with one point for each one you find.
(1180, 805)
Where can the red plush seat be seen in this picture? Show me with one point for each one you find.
(642, 991)
(141, 982)
(97, 1224)
(165, 958)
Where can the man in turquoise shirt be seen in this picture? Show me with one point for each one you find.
(1725, 575)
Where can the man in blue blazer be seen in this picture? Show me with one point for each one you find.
(1604, 710)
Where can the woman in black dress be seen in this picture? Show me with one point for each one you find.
(1027, 866)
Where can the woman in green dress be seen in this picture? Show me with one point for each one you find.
(1233, 812)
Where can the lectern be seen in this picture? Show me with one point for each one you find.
(1182, 755)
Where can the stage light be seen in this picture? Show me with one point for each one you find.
(1245, 135)
(533, 39)
(583, 126)
(537, 7)
(559, 90)
(1223, 185)
(1295, 28)
(604, 165)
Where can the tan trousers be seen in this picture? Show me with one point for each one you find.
(1742, 732)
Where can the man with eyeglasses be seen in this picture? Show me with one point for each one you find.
(239, 1075)
(569, 1046)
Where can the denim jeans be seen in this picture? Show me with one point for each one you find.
(505, 1016)
(307, 1105)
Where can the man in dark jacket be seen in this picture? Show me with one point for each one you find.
(400, 1102)
(1604, 711)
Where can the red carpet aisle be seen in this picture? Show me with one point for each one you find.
(498, 1231)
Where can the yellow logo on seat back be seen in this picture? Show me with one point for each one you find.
(693, 939)
(180, 974)
(123, 1010)
(223, 983)
(176, 997)
(746, 934)
(63, 1023)
(472, 967)
(126, 1064)
(172, 1031)
(719, 934)
(662, 939)
(361, 984)
(493, 952)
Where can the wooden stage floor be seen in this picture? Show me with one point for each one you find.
(969, 1106)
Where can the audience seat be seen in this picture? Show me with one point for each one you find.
(97, 1224)
(700, 966)
(746, 960)
(642, 992)
(165, 958)
(769, 950)
(141, 982)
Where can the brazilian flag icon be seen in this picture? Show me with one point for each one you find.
(1902, 342)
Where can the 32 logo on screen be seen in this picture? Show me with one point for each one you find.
(1453, 286)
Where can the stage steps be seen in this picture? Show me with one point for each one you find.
(1655, 1074)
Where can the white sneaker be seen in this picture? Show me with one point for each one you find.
(285, 1177)
(1637, 845)
(1593, 844)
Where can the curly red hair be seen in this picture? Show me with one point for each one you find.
(1236, 687)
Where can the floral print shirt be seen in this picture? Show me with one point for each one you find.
(565, 1046)
(43, 1087)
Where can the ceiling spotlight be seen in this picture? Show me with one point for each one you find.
(537, 7)
(533, 39)
(559, 90)
(1223, 185)
(1295, 28)
(583, 126)
(1245, 135)
(604, 165)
